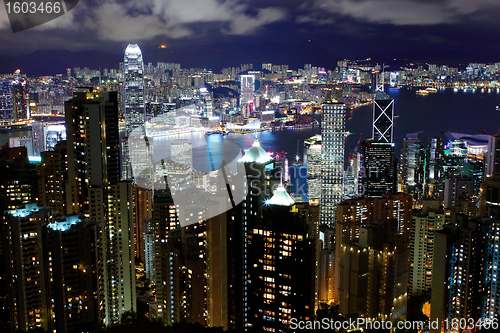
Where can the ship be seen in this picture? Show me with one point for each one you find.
(422, 92)
(431, 89)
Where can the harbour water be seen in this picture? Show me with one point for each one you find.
(428, 115)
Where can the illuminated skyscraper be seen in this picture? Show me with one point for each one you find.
(6, 107)
(383, 112)
(332, 164)
(247, 92)
(412, 166)
(133, 74)
(96, 192)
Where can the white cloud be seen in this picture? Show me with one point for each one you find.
(141, 20)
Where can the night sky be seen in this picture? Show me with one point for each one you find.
(440, 30)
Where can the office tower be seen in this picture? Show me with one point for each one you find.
(32, 105)
(133, 75)
(96, 192)
(29, 308)
(19, 91)
(412, 167)
(312, 159)
(281, 260)
(434, 169)
(475, 169)
(426, 222)
(207, 102)
(332, 160)
(143, 210)
(6, 106)
(462, 271)
(383, 112)
(247, 83)
(456, 187)
(379, 168)
(455, 158)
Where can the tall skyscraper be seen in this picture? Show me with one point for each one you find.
(6, 106)
(332, 160)
(96, 192)
(412, 166)
(135, 112)
(383, 112)
(379, 174)
(247, 94)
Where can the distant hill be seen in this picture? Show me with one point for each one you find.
(51, 62)
(215, 57)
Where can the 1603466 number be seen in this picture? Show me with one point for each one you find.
(26, 7)
(470, 324)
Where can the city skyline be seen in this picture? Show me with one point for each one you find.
(251, 166)
(384, 30)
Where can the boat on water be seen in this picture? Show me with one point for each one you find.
(422, 92)
(497, 108)
(431, 89)
(216, 132)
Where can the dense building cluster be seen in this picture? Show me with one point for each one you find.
(93, 226)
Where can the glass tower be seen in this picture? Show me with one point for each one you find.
(383, 111)
(332, 155)
(133, 73)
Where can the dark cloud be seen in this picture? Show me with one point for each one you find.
(345, 27)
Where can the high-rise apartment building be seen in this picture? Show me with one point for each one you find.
(426, 222)
(332, 160)
(95, 191)
(281, 265)
(52, 269)
(135, 112)
(372, 242)
(463, 273)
